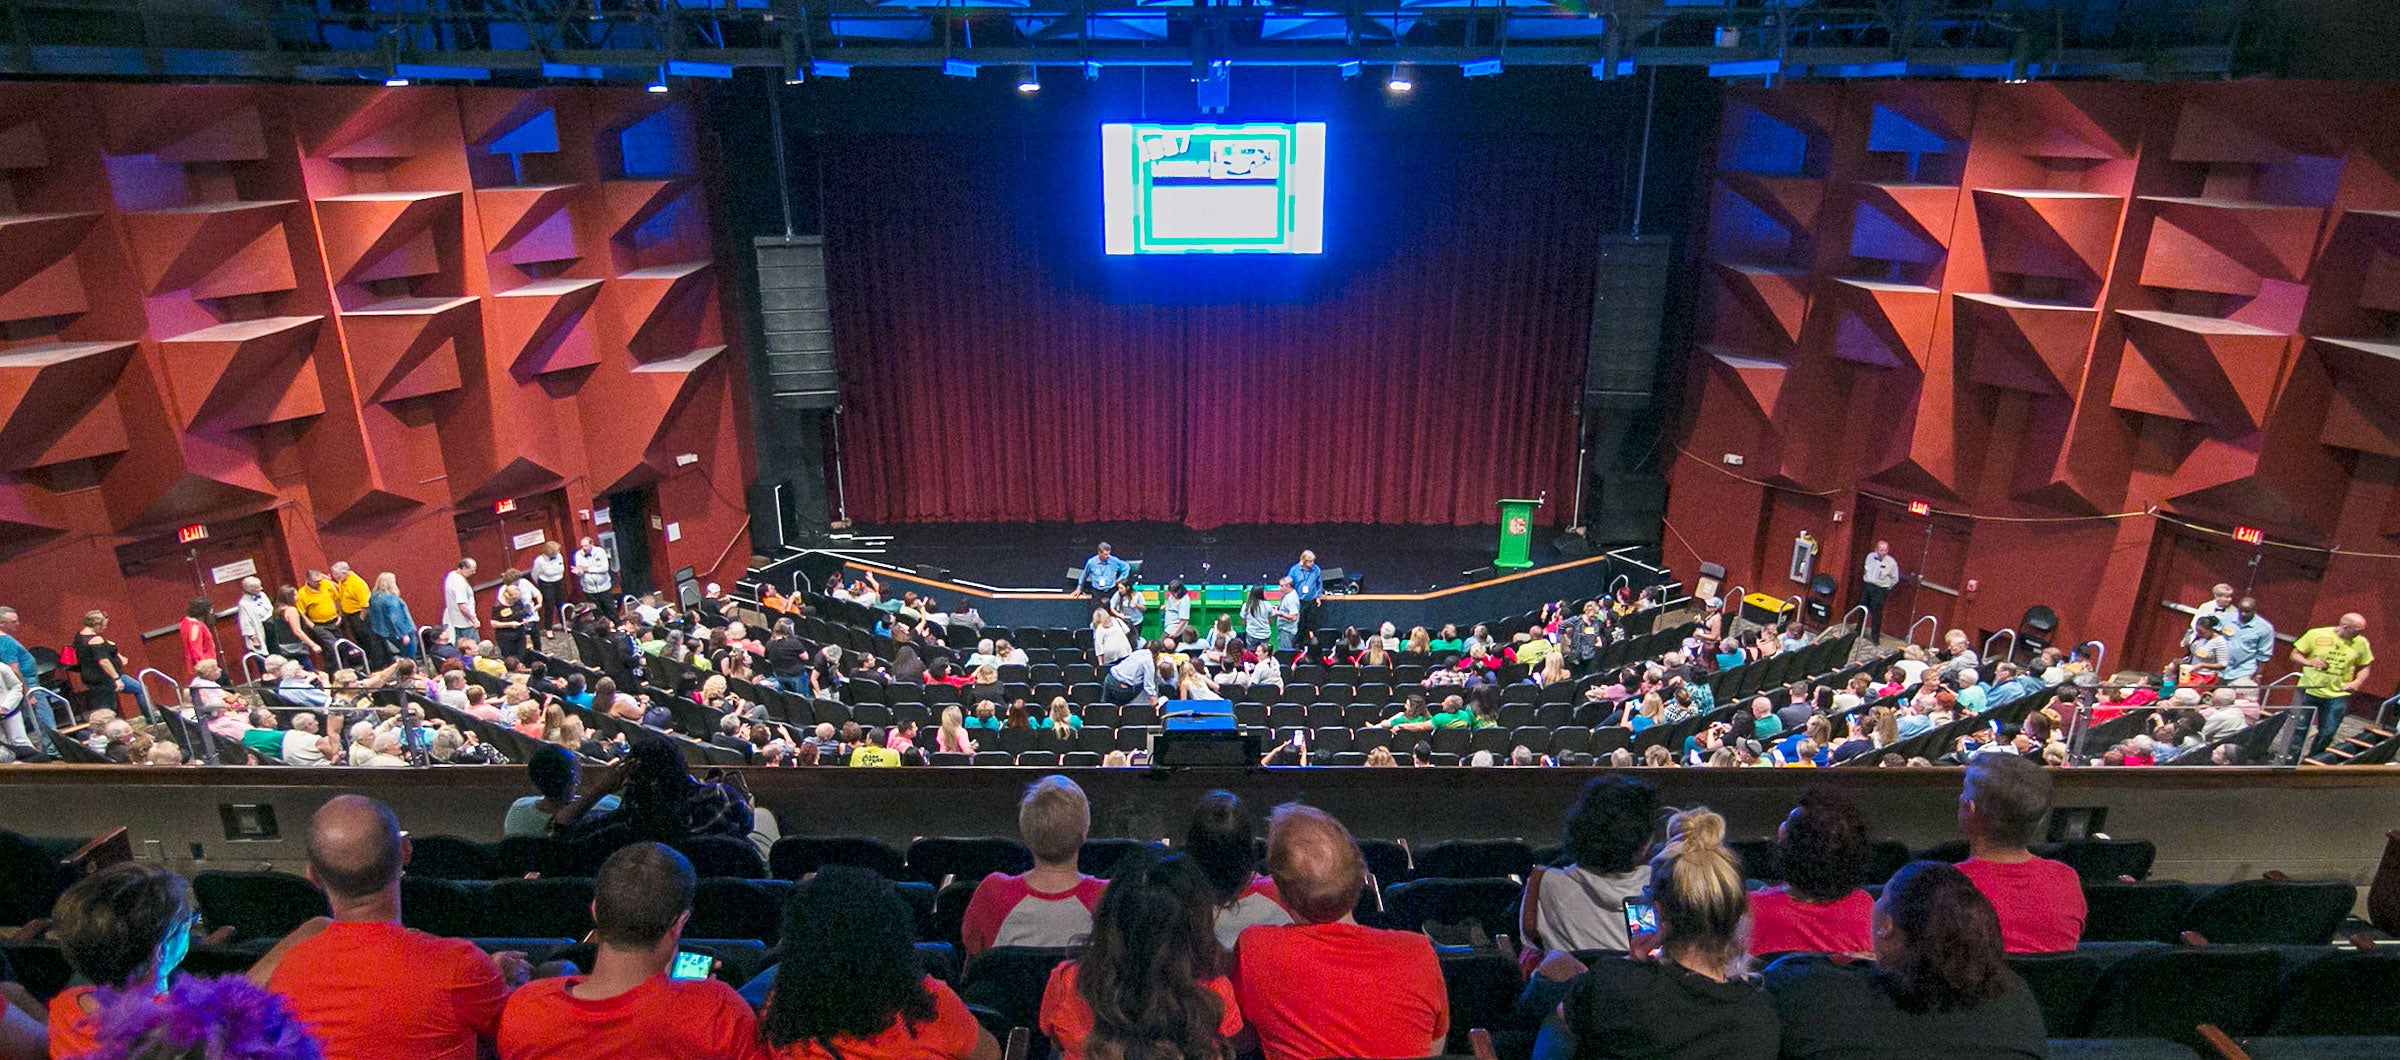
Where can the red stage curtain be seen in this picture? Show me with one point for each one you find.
(985, 379)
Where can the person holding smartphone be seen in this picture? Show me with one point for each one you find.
(644, 997)
(1685, 988)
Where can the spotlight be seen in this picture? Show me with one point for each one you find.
(1029, 79)
(1401, 80)
(395, 82)
(658, 83)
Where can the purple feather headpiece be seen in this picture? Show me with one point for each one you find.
(226, 1018)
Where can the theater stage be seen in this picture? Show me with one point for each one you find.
(2211, 825)
(1015, 574)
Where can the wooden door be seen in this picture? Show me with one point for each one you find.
(163, 574)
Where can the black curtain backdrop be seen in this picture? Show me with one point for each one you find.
(998, 367)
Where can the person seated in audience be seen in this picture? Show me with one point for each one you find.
(1149, 982)
(869, 751)
(952, 737)
(262, 737)
(555, 774)
(1821, 853)
(2040, 901)
(1413, 716)
(856, 989)
(1222, 840)
(1685, 991)
(1957, 654)
(1582, 906)
(1052, 904)
(208, 687)
(2010, 684)
(1968, 691)
(658, 801)
(628, 1006)
(1763, 723)
(305, 744)
(2231, 711)
(1939, 985)
(124, 928)
(347, 977)
(301, 685)
(1325, 986)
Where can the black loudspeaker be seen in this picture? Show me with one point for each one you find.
(796, 323)
(773, 521)
(1624, 496)
(1572, 546)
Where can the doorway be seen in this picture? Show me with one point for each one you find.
(500, 541)
(2185, 564)
(163, 574)
(627, 537)
(1932, 551)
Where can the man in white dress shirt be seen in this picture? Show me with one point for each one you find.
(252, 612)
(1882, 573)
(458, 600)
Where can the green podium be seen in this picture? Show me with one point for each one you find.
(1516, 534)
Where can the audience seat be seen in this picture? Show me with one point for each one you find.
(725, 908)
(1491, 902)
(2150, 911)
(2287, 912)
(723, 856)
(548, 907)
(449, 857)
(795, 856)
(2383, 897)
(2170, 992)
(31, 876)
(2104, 860)
(444, 907)
(2343, 993)
(1045, 759)
(2062, 984)
(950, 912)
(1009, 980)
(1483, 990)
(1099, 857)
(257, 905)
(936, 859)
(1469, 858)
(1082, 759)
(1387, 859)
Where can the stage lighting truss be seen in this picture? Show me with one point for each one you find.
(626, 42)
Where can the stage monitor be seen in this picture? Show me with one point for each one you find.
(1256, 188)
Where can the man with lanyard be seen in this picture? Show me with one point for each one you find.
(591, 571)
(1308, 580)
(1882, 573)
(2334, 661)
(1102, 572)
(2252, 637)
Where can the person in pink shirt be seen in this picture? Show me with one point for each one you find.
(2040, 901)
(1821, 853)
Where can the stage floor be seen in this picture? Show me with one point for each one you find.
(1393, 559)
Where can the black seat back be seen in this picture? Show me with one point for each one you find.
(2151, 911)
(2349, 993)
(1461, 859)
(2169, 993)
(2285, 912)
(795, 856)
(932, 858)
(257, 905)
(1490, 901)
(2061, 984)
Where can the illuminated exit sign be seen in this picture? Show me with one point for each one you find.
(1919, 508)
(504, 507)
(194, 532)
(2249, 535)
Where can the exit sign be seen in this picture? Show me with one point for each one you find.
(189, 534)
(1919, 508)
(2249, 535)
(504, 507)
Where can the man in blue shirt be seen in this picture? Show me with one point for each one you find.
(1135, 674)
(1102, 572)
(2250, 637)
(1308, 580)
(2009, 686)
(13, 654)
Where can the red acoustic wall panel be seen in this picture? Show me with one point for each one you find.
(2071, 318)
(335, 323)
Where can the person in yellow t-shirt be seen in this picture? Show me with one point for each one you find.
(319, 601)
(350, 594)
(2333, 663)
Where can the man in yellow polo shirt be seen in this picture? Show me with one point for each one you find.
(350, 594)
(2333, 663)
(319, 601)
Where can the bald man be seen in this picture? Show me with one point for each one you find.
(2333, 662)
(1323, 985)
(369, 988)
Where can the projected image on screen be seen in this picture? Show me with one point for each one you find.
(1213, 189)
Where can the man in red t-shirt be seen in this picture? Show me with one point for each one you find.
(2040, 901)
(367, 987)
(1324, 986)
(628, 1008)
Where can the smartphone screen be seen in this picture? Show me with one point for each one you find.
(690, 966)
(1641, 918)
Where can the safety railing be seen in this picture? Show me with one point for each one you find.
(141, 679)
(2011, 634)
(1932, 621)
(253, 664)
(335, 645)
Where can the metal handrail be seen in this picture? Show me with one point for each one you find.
(1862, 612)
(251, 673)
(425, 643)
(2099, 656)
(333, 647)
(141, 678)
(1994, 638)
(1612, 583)
(1797, 603)
(1930, 642)
(40, 690)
